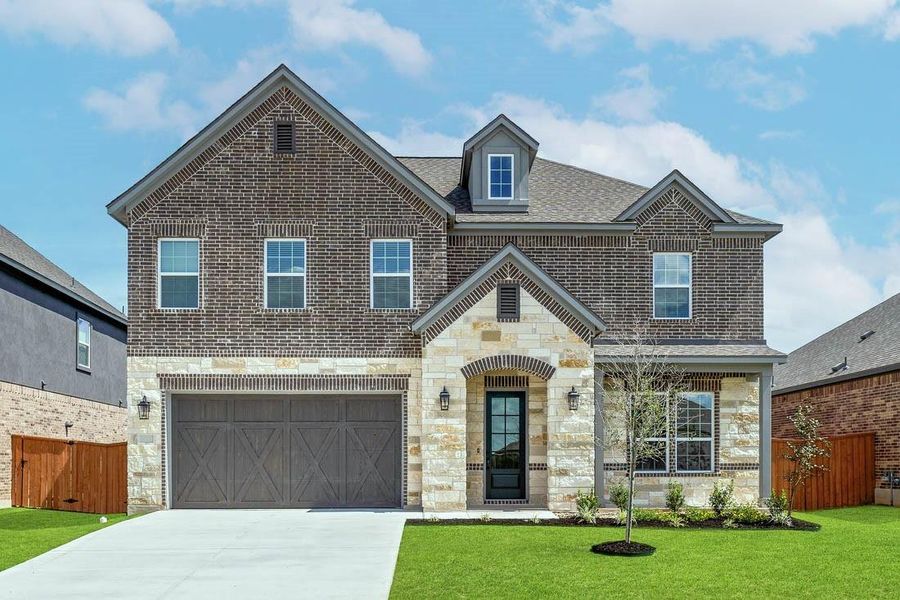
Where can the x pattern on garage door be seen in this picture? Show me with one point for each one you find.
(286, 451)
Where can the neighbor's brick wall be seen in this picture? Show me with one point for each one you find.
(855, 406)
(613, 274)
(327, 193)
(32, 412)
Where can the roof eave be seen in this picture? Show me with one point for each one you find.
(481, 227)
(512, 253)
(838, 379)
(121, 319)
(118, 208)
(767, 230)
(676, 177)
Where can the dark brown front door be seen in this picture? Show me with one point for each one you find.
(270, 451)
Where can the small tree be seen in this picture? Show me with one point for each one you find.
(642, 391)
(805, 453)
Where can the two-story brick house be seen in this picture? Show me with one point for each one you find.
(315, 322)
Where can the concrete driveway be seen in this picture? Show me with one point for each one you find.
(221, 554)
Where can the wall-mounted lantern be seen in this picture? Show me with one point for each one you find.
(68, 425)
(574, 396)
(445, 399)
(143, 409)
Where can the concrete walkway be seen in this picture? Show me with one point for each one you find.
(222, 554)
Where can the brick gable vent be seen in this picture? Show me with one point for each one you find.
(284, 137)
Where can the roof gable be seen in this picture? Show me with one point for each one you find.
(207, 143)
(577, 316)
(501, 121)
(704, 203)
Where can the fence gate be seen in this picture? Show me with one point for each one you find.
(848, 481)
(69, 475)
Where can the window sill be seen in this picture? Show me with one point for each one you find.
(85, 370)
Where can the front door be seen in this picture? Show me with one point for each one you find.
(507, 458)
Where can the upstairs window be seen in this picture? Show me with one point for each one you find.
(179, 273)
(391, 274)
(83, 343)
(285, 284)
(500, 176)
(671, 285)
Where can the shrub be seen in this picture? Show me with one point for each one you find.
(675, 496)
(778, 508)
(746, 514)
(722, 497)
(673, 519)
(587, 505)
(618, 495)
(485, 518)
(698, 515)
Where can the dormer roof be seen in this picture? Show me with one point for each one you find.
(500, 121)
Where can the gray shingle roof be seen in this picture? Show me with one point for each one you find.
(811, 364)
(558, 193)
(22, 255)
(722, 350)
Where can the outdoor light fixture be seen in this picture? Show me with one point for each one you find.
(445, 399)
(144, 408)
(68, 425)
(573, 398)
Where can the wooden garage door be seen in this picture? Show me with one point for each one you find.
(264, 451)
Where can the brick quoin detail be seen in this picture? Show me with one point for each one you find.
(856, 406)
(529, 364)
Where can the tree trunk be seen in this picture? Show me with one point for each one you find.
(630, 505)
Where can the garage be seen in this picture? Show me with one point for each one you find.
(279, 451)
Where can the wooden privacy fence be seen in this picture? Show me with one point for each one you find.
(69, 475)
(849, 480)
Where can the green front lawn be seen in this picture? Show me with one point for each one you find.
(853, 555)
(27, 532)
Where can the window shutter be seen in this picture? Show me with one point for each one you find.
(284, 137)
(508, 302)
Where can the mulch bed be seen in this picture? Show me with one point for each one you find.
(623, 548)
(569, 521)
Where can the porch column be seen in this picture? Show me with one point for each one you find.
(443, 437)
(599, 483)
(765, 433)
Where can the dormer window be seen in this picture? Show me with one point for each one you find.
(500, 176)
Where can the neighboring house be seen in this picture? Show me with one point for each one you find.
(62, 356)
(315, 322)
(851, 377)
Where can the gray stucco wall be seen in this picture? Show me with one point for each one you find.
(501, 142)
(38, 343)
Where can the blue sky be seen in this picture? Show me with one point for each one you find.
(786, 110)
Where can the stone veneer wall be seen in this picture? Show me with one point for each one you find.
(477, 334)
(146, 439)
(736, 438)
(536, 399)
(29, 411)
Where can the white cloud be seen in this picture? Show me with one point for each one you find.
(779, 134)
(329, 24)
(755, 87)
(892, 26)
(414, 140)
(128, 27)
(636, 100)
(141, 106)
(779, 26)
(567, 25)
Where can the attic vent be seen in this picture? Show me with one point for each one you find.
(840, 366)
(507, 302)
(866, 335)
(284, 138)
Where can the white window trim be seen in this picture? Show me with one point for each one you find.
(512, 174)
(711, 439)
(373, 275)
(266, 273)
(159, 273)
(78, 322)
(689, 286)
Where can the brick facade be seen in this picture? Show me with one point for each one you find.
(32, 412)
(244, 194)
(856, 406)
